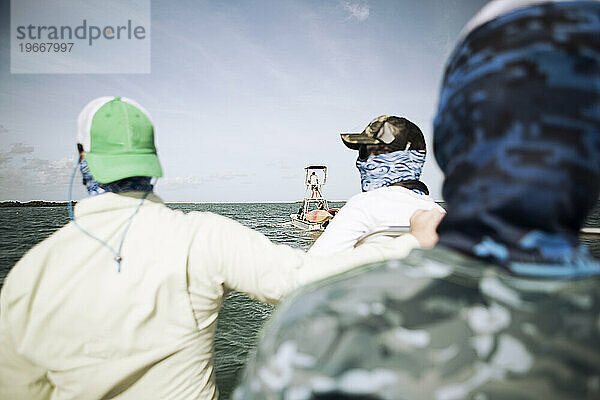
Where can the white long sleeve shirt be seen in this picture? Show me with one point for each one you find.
(367, 212)
(73, 327)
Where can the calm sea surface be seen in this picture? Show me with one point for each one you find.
(240, 318)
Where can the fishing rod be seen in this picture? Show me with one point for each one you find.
(584, 233)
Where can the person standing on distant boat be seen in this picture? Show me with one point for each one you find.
(313, 180)
(391, 154)
(123, 300)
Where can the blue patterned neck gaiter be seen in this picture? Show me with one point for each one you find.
(136, 183)
(385, 169)
(89, 182)
(517, 135)
(133, 184)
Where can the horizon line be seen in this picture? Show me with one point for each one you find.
(197, 202)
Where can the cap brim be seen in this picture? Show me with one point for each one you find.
(107, 168)
(354, 140)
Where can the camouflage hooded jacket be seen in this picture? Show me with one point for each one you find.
(437, 325)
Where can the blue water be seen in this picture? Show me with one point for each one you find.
(240, 318)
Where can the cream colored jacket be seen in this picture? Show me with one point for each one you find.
(73, 327)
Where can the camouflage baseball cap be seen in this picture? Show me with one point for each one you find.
(396, 133)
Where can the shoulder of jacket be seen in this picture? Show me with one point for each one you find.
(363, 197)
(210, 220)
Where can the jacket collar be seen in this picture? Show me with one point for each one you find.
(113, 201)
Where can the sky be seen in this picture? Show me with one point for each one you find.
(243, 95)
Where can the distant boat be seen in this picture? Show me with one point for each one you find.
(314, 214)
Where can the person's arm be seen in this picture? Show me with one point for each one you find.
(342, 232)
(19, 377)
(241, 259)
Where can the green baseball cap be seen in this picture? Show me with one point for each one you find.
(118, 139)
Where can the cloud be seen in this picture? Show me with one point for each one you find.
(357, 11)
(181, 180)
(195, 180)
(279, 164)
(4, 158)
(35, 173)
(17, 148)
(20, 148)
(290, 177)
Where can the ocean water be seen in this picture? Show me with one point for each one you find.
(240, 318)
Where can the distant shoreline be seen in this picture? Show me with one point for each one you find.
(42, 203)
(34, 203)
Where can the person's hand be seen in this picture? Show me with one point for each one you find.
(423, 224)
